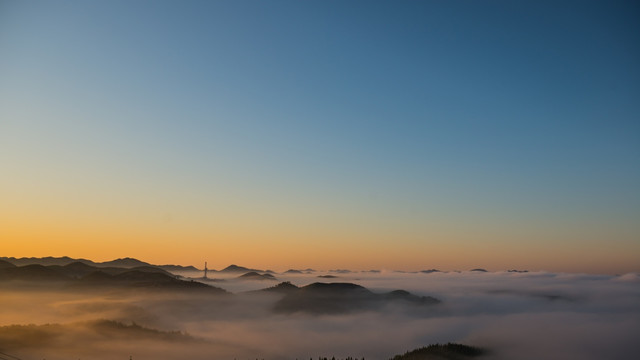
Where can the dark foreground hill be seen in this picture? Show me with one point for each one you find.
(6, 264)
(341, 298)
(448, 351)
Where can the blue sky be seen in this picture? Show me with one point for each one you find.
(513, 114)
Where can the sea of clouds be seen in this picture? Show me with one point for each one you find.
(533, 315)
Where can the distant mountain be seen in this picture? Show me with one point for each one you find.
(430, 271)
(340, 298)
(46, 261)
(83, 275)
(65, 260)
(293, 271)
(448, 351)
(341, 271)
(237, 269)
(79, 269)
(256, 276)
(124, 262)
(297, 271)
(328, 276)
(178, 268)
(479, 270)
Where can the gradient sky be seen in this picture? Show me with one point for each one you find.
(353, 134)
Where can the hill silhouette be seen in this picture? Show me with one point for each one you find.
(6, 264)
(172, 268)
(124, 262)
(256, 276)
(65, 260)
(237, 269)
(293, 271)
(79, 269)
(340, 298)
(45, 261)
(430, 271)
(32, 273)
(78, 274)
(143, 279)
(448, 351)
(283, 287)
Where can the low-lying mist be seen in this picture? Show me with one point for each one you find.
(514, 315)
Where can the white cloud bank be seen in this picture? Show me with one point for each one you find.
(515, 315)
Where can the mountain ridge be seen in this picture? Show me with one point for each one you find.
(126, 262)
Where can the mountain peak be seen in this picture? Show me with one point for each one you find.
(237, 269)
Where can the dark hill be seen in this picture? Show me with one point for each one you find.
(151, 269)
(124, 263)
(430, 271)
(341, 298)
(448, 351)
(341, 271)
(75, 269)
(404, 295)
(78, 269)
(45, 261)
(31, 273)
(142, 279)
(322, 298)
(178, 268)
(97, 277)
(65, 260)
(144, 276)
(237, 269)
(284, 287)
(6, 264)
(342, 288)
(293, 271)
(82, 275)
(255, 276)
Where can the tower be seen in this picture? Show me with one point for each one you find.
(205, 269)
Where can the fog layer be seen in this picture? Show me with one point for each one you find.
(514, 315)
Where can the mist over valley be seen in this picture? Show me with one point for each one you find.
(63, 308)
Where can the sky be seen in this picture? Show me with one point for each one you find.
(399, 135)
